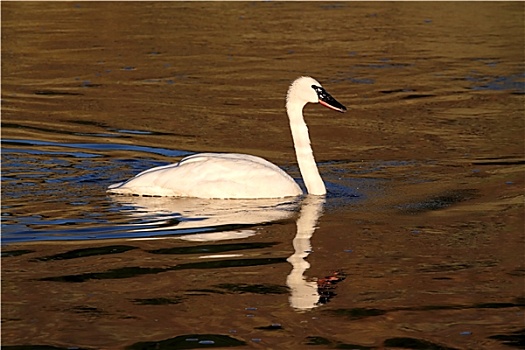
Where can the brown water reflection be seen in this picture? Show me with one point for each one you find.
(422, 229)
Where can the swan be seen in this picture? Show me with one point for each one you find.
(241, 176)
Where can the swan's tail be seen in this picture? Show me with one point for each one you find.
(110, 187)
(116, 189)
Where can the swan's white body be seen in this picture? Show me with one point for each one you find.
(233, 175)
(213, 175)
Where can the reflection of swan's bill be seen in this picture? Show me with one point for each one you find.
(205, 237)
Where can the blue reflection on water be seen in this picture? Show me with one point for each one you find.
(514, 82)
(99, 147)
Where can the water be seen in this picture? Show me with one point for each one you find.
(418, 243)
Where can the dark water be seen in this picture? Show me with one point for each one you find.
(418, 243)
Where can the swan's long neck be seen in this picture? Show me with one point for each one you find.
(303, 149)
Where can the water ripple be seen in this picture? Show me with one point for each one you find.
(56, 191)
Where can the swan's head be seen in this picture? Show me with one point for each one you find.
(308, 90)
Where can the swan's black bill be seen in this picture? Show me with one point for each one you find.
(327, 100)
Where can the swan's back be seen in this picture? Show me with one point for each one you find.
(213, 175)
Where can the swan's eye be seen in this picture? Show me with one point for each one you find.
(319, 90)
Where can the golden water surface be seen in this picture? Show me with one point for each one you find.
(418, 244)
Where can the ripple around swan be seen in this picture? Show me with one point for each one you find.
(56, 191)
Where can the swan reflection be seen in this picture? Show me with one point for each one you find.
(196, 219)
(201, 220)
(304, 294)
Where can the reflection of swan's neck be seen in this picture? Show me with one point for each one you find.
(303, 149)
(304, 293)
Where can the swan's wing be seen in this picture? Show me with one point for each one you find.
(202, 157)
(157, 168)
(192, 158)
(213, 175)
(119, 184)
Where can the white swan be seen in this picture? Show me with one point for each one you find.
(233, 175)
